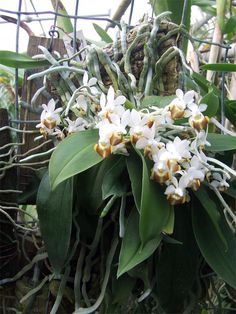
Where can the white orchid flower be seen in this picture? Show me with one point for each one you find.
(111, 104)
(176, 192)
(90, 83)
(179, 149)
(219, 181)
(50, 117)
(81, 104)
(77, 125)
(179, 104)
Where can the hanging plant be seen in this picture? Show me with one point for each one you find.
(137, 176)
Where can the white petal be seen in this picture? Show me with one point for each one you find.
(85, 78)
(179, 93)
(141, 143)
(51, 105)
(119, 100)
(170, 190)
(92, 81)
(125, 118)
(103, 101)
(135, 117)
(202, 107)
(45, 107)
(192, 107)
(110, 95)
(189, 96)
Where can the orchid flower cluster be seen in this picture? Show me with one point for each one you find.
(176, 149)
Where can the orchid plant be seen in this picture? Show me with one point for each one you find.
(156, 173)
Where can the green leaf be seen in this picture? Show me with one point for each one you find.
(155, 210)
(55, 218)
(169, 227)
(122, 289)
(211, 246)
(220, 142)
(114, 180)
(210, 206)
(230, 25)
(230, 111)
(134, 166)
(177, 265)
(223, 67)
(157, 101)
(90, 182)
(204, 84)
(64, 23)
(212, 101)
(102, 33)
(18, 60)
(73, 155)
(132, 253)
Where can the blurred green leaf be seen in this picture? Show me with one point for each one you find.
(176, 7)
(222, 261)
(176, 266)
(223, 67)
(210, 206)
(55, 218)
(230, 25)
(18, 60)
(74, 155)
(114, 182)
(155, 211)
(102, 33)
(157, 101)
(230, 111)
(64, 23)
(132, 252)
(220, 142)
(212, 101)
(134, 166)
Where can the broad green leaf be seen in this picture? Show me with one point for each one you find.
(177, 265)
(155, 210)
(169, 227)
(230, 25)
(132, 252)
(114, 182)
(90, 182)
(102, 33)
(176, 7)
(223, 67)
(212, 101)
(201, 81)
(55, 218)
(64, 23)
(203, 3)
(222, 261)
(204, 84)
(18, 60)
(220, 142)
(134, 166)
(122, 289)
(210, 206)
(157, 101)
(230, 111)
(11, 72)
(73, 155)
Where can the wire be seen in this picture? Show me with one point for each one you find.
(75, 25)
(63, 15)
